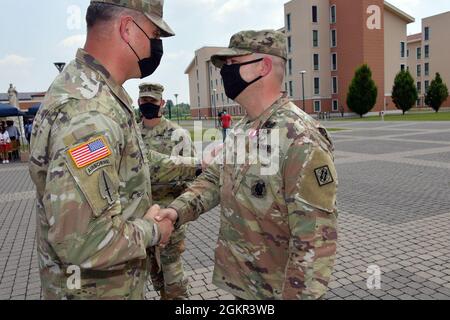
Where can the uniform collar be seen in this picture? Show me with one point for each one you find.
(90, 62)
(156, 129)
(266, 115)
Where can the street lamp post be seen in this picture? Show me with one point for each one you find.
(303, 88)
(215, 109)
(178, 108)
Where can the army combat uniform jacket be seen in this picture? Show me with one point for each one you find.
(91, 172)
(169, 139)
(278, 234)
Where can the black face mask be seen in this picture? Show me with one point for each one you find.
(233, 83)
(150, 111)
(149, 65)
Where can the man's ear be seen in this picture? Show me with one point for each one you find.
(267, 65)
(163, 103)
(125, 28)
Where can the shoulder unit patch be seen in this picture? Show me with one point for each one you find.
(323, 175)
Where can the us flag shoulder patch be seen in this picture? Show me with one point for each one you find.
(89, 152)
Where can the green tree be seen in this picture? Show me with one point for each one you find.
(404, 92)
(168, 110)
(437, 93)
(362, 93)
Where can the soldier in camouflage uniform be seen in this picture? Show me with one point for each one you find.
(166, 137)
(90, 165)
(278, 230)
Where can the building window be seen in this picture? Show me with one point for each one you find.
(315, 38)
(402, 67)
(333, 61)
(316, 61)
(427, 33)
(316, 86)
(291, 89)
(419, 70)
(198, 101)
(419, 87)
(419, 53)
(289, 40)
(217, 83)
(196, 61)
(402, 49)
(333, 14)
(333, 38)
(285, 87)
(212, 84)
(197, 74)
(317, 106)
(290, 66)
(427, 85)
(427, 51)
(335, 85)
(335, 105)
(314, 14)
(288, 22)
(198, 87)
(427, 69)
(407, 53)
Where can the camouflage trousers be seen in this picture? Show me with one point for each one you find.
(170, 280)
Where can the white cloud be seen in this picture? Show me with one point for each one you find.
(231, 7)
(75, 41)
(14, 60)
(15, 69)
(182, 54)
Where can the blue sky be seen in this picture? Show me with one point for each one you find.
(34, 34)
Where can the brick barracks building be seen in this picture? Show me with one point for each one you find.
(428, 53)
(327, 40)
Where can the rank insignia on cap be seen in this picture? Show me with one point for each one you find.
(89, 152)
(323, 176)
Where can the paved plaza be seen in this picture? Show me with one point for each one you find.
(394, 213)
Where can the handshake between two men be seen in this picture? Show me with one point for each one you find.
(165, 219)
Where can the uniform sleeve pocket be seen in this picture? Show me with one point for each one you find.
(92, 167)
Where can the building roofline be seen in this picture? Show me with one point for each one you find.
(189, 67)
(193, 60)
(439, 14)
(412, 38)
(399, 12)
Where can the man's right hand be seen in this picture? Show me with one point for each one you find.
(165, 226)
(166, 229)
(169, 213)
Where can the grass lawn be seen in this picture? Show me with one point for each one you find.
(211, 132)
(336, 129)
(218, 133)
(413, 116)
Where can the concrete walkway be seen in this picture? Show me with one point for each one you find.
(394, 201)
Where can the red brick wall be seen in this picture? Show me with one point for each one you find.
(358, 45)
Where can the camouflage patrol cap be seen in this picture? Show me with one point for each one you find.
(247, 42)
(151, 90)
(152, 9)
